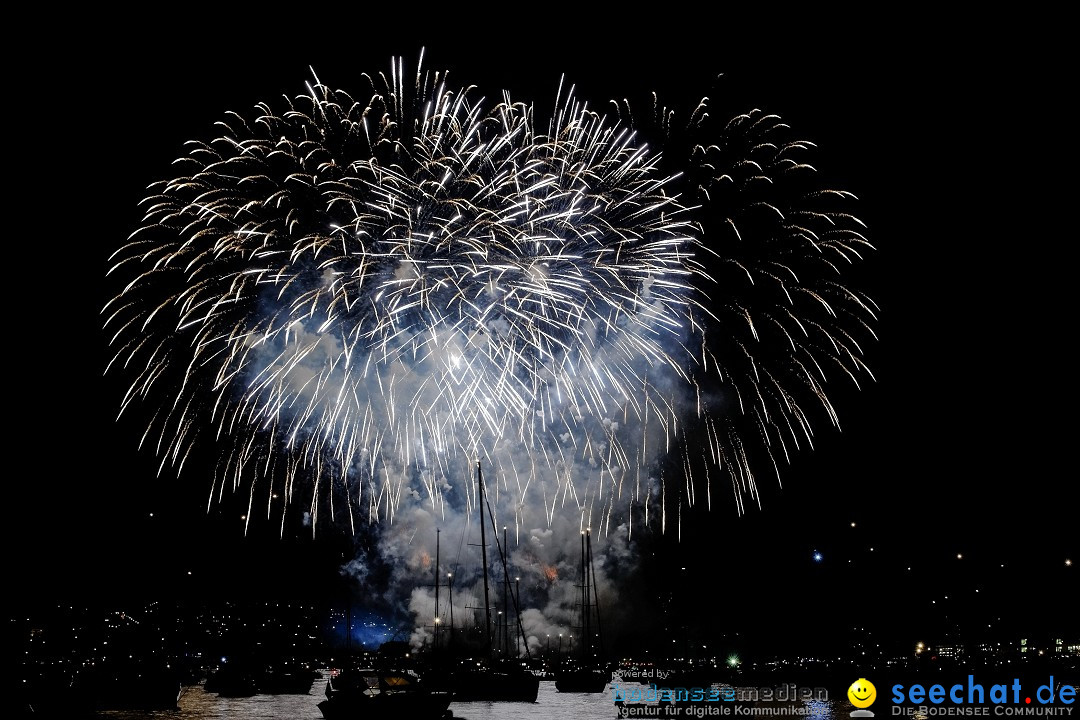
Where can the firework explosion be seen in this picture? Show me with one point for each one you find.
(360, 298)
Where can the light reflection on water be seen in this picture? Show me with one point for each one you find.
(197, 704)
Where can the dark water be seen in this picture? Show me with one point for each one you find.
(197, 704)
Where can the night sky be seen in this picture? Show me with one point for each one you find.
(952, 473)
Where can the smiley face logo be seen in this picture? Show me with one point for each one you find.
(862, 693)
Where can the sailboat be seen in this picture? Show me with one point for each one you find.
(360, 693)
(380, 690)
(585, 674)
(488, 678)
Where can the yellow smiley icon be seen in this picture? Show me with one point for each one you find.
(862, 693)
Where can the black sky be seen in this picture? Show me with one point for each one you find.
(957, 143)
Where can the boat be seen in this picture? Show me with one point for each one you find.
(581, 679)
(497, 680)
(286, 679)
(233, 680)
(585, 674)
(43, 690)
(356, 694)
(127, 686)
(61, 692)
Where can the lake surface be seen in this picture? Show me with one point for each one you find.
(197, 704)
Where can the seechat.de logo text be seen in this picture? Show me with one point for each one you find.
(1053, 698)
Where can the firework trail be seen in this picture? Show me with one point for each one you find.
(360, 297)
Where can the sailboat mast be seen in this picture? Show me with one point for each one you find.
(584, 602)
(506, 604)
(437, 532)
(595, 600)
(450, 589)
(483, 553)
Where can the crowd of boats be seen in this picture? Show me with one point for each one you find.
(423, 687)
(387, 684)
(450, 673)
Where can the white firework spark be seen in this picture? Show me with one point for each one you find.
(362, 297)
